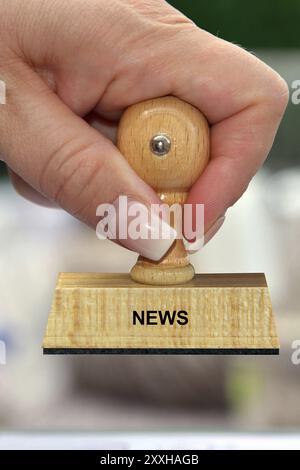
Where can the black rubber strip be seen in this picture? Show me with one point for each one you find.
(156, 351)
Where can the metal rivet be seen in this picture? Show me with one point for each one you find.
(160, 145)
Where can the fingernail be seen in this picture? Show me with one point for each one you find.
(140, 229)
(211, 232)
(194, 247)
(157, 235)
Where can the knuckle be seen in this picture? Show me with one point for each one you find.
(68, 174)
(279, 91)
(73, 192)
(267, 84)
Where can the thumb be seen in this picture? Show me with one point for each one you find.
(63, 158)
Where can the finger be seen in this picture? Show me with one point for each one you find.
(242, 98)
(239, 145)
(244, 105)
(63, 158)
(107, 128)
(102, 125)
(26, 191)
(109, 116)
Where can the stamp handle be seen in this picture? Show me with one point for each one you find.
(166, 142)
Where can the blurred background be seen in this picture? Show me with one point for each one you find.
(261, 234)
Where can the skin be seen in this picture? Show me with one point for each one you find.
(72, 67)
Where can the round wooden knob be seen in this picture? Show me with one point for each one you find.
(166, 141)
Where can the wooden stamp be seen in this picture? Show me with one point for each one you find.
(162, 307)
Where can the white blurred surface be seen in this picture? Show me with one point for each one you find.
(150, 441)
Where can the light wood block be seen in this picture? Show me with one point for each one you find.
(227, 314)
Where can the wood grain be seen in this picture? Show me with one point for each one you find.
(225, 311)
(171, 176)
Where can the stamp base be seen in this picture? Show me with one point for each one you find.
(227, 314)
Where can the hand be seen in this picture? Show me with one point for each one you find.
(72, 66)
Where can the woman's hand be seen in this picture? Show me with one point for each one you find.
(72, 66)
